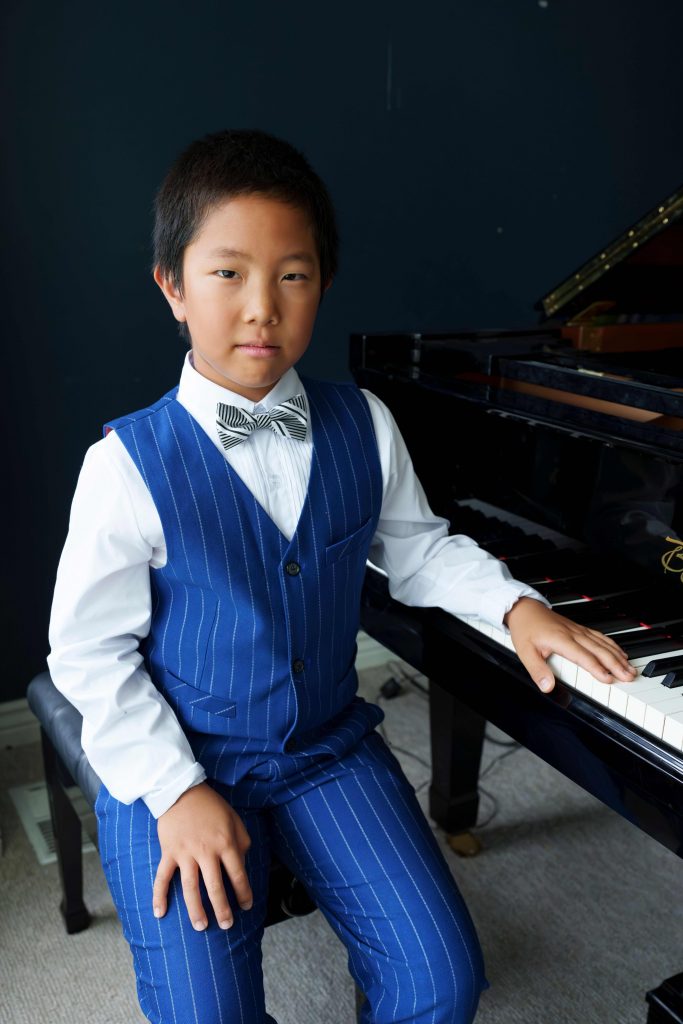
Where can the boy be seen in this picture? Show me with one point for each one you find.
(205, 617)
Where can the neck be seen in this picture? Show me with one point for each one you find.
(207, 368)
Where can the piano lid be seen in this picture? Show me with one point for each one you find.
(637, 275)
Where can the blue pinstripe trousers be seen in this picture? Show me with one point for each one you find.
(352, 830)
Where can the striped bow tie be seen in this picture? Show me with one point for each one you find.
(234, 425)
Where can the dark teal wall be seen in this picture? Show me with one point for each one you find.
(477, 150)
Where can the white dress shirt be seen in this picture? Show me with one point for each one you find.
(102, 600)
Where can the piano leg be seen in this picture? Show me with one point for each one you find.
(457, 738)
(666, 1002)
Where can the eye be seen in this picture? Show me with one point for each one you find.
(295, 277)
(230, 274)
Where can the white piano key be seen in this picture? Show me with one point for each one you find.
(638, 703)
(557, 664)
(644, 701)
(600, 692)
(568, 670)
(673, 730)
(657, 713)
(584, 681)
(619, 693)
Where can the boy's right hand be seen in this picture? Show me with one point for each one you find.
(201, 832)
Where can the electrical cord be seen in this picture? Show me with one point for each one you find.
(496, 760)
(397, 669)
(500, 743)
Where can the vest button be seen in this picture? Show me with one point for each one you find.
(293, 568)
(298, 665)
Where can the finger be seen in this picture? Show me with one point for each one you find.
(584, 658)
(189, 876)
(213, 880)
(162, 880)
(239, 880)
(536, 667)
(610, 660)
(606, 641)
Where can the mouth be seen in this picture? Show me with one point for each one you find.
(258, 348)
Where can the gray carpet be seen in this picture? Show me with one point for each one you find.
(579, 913)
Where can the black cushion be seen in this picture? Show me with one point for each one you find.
(62, 723)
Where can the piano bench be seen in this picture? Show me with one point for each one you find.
(66, 765)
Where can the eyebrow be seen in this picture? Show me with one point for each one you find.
(302, 257)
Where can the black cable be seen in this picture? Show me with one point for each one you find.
(496, 760)
(511, 745)
(494, 812)
(392, 746)
(500, 743)
(397, 667)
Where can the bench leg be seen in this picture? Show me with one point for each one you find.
(67, 830)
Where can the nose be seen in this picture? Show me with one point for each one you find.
(260, 307)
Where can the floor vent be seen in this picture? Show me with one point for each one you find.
(33, 807)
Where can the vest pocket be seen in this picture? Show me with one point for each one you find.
(344, 547)
(203, 712)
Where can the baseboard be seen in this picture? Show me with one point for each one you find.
(18, 724)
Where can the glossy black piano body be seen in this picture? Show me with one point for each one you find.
(555, 456)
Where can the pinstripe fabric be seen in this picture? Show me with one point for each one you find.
(239, 644)
(351, 829)
(253, 643)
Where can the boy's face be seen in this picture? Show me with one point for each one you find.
(251, 282)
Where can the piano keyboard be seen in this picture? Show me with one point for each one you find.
(645, 701)
(612, 604)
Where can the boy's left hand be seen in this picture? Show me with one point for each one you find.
(537, 632)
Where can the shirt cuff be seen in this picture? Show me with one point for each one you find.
(496, 603)
(159, 800)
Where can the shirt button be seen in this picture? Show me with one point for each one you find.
(293, 568)
(297, 665)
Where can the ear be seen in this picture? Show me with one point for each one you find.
(329, 282)
(171, 294)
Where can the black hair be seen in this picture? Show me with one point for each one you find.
(230, 163)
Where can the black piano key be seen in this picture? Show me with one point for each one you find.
(558, 591)
(645, 646)
(593, 586)
(675, 626)
(508, 547)
(662, 666)
(613, 625)
(549, 566)
(599, 615)
(648, 638)
(587, 613)
(651, 606)
(673, 679)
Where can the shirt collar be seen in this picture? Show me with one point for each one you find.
(200, 396)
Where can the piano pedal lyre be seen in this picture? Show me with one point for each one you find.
(464, 844)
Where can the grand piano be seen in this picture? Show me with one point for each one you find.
(559, 449)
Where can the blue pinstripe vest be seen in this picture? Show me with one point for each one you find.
(253, 637)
